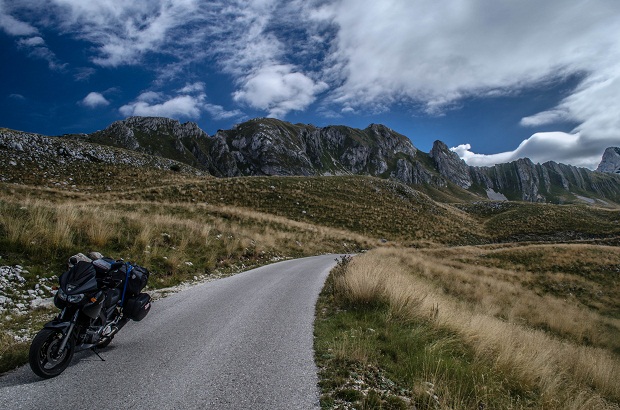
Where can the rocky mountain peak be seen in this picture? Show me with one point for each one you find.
(611, 161)
(267, 146)
(450, 165)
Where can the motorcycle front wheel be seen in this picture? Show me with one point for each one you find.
(45, 358)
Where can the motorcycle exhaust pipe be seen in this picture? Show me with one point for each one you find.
(116, 327)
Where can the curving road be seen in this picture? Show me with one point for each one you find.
(243, 342)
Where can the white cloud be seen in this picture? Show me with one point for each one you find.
(37, 49)
(218, 112)
(149, 97)
(124, 32)
(546, 117)
(439, 52)
(13, 26)
(31, 42)
(94, 100)
(192, 88)
(278, 89)
(84, 73)
(436, 54)
(257, 58)
(541, 147)
(184, 106)
(189, 103)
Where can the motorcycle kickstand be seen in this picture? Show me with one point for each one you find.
(94, 349)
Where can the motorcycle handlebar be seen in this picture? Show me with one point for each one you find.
(109, 282)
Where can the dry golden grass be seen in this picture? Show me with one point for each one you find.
(175, 241)
(163, 236)
(564, 374)
(571, 290)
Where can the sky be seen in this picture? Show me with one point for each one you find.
(496, 80)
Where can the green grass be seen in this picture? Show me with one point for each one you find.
(440, 344)
(163, 219)
(370, 360)
(368, 206)
(175, 241)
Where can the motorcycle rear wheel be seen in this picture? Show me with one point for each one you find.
(45, 359)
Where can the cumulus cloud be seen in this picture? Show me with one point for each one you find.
(94, 100)
(279, 89)
(251, 51)
(176, 107)
(438, 53)
(190, 102)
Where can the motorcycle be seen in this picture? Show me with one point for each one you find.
(96, 299)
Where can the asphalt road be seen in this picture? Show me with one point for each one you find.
(243, 342)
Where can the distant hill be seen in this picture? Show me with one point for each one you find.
(270, 147)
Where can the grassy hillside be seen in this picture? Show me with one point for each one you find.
(544, 271)
(472, 328)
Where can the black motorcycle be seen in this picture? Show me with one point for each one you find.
(96, 300)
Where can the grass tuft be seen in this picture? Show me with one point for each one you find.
(444, 351)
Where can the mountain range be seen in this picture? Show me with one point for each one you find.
(270, 147)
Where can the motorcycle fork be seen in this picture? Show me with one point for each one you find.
(65, 340)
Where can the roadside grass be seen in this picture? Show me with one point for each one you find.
(388, 312)
(16, 335)
(569, 290)
(176, 242)
(451, 343)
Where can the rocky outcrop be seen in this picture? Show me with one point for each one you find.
(450, 165)
(270, 147)
(21, 149)
(266, 146)
(549, 182)
(611, 161)
(525, 181)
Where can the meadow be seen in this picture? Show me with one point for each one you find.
(448, 303)
(472, 327)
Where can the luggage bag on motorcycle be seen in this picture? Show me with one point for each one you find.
(136, 280)
(138, 276)
(136, 307)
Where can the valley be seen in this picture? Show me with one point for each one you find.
(454, 300)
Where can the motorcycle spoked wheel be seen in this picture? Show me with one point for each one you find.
(45, 359)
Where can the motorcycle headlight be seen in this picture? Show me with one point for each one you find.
(75, 298)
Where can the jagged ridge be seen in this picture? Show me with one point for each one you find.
(266, 146)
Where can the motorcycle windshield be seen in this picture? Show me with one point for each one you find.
(81, 278)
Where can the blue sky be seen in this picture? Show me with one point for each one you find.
(495, 80)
